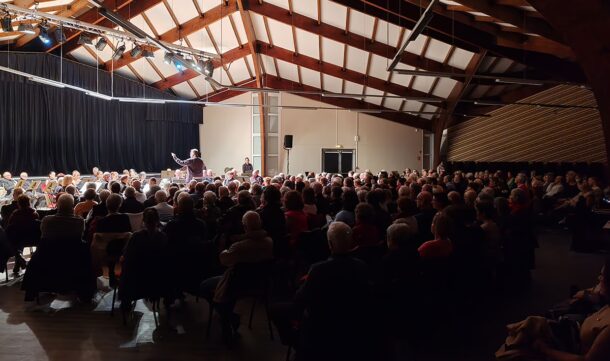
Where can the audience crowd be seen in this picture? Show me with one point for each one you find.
(325, 249)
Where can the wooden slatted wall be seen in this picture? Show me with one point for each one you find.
(517, 133)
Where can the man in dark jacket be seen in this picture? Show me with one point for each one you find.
(194, 165)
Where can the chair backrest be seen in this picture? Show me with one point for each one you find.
(136, 221)
(104, 242)
(251, 278)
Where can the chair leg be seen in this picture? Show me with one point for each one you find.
(210, 314)
(252, 313)
(113, 300)
(268, 319)
(154, 310)
(288, 352)
(6, 270)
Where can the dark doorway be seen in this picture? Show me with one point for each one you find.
(337, 160)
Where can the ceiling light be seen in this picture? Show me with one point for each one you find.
(26, 29)
(44, 35)
(167, 59)
(148, 54)
(60, 36)
(84, 39)
(6, 23)
(179, 63)
(99, 95)
(197, 64)
(136, 51)
(208, 68)
(118, 53)
(101, 44)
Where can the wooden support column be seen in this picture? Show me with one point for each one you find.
(243, 6)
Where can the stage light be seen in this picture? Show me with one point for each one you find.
(60, 35)
(148, 54)
(6, 23)
(167, 59)
(208, 68)
(84, 39)
(196, 64)
(136, 51)
(26, 29)
(101, 44)
(179, 63)
(44, 35)
(118, 53)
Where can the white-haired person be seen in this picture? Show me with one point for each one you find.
(335, 291)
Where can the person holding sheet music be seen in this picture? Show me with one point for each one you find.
(194, 165)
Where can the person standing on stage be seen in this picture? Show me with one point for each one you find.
(194, 165)
(247, 167)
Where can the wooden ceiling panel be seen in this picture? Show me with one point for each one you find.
(361, 24)
(310, 77)
(356, 59)
(288, 71)
(332, 52)
(443, 87)
(239, 71)
(223, 35)
(146, 71)
(160, 18)
(239, 25)
(308, 8)
(460, 58)
(437, 51)
(184, 10)
(201, 40)
(183, 90)
(332, 84)
(387, 33)
(308, 43)
(423, 83)
(376, 100)
(334, 14)
(258, 22)
(281, 34)
(268, 64)
(353, 88)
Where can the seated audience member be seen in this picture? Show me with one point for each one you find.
(401, 262)
(197, 195)
(256, 178)
(366, 232)
(230, 223)
(130, 203)
(334, 291)
(8, 209)
(347, 214)
(492, 247)
(542, 341)
(224, 202)
(309, 201)
(149, 189)
(425, 215)
(99, 210)
(165, 212)
(113, 222)
(65, 224)
(519, 238)
(140, 197)
(22, 228)
(188, 257)
(296, 219)
(211, 213)
(143, 263)
(150, 200)
(441, 246)
(256, 191)
(5, 251)
(322, 203)
(83, 208)
(273, 220)
(406, 213)
(253, 246)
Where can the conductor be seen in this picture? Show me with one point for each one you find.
(194, 165)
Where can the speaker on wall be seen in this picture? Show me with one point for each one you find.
(288, 141)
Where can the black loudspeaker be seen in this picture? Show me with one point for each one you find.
(288, 141)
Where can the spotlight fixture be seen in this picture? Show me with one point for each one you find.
(179, 63)
(60, 36)
(148, 54)
(136, 51)
(26, 29)
(208, 68)
(167, 59)
(118, 53)
(101, 44)
(44, 35)
(84, 39)
(6, 23)
(196, 64)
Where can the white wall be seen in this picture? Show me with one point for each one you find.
(226, 134)
(226, 137)
(383, 144)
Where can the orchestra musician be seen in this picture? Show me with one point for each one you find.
(194, 165)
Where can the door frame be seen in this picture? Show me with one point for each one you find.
(338, 150)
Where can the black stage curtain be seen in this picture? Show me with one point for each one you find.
(45, 128)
